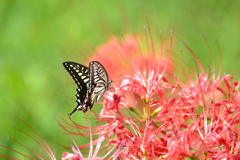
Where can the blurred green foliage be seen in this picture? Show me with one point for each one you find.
(37, 36)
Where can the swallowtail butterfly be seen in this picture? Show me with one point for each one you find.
(92, 83)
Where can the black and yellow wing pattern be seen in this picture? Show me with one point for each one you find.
(92, 83)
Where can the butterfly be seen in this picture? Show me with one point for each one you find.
(92, 83)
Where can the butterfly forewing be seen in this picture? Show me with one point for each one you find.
(80, 75)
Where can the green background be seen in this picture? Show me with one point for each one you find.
(37, 36)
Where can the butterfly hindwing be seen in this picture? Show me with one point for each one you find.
(99, 82)
(80, 75)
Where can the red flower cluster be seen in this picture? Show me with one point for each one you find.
(149, 113)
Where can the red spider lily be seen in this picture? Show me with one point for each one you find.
(151, 114)
(126, 58)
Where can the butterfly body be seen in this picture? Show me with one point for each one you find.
(92, 83)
